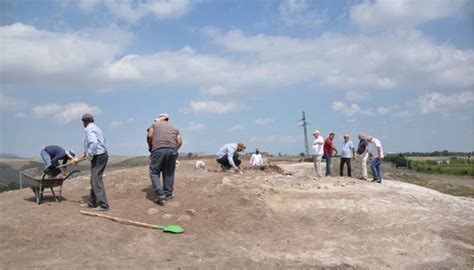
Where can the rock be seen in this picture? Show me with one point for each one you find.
(173, 204)
(152, 211)
(166, 216)
(225, 180)
(192, 212)
(184, 218)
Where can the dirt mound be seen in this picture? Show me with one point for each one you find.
(263, 219)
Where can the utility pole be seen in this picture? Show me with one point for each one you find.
(306, 145)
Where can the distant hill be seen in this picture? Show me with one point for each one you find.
(9, 155)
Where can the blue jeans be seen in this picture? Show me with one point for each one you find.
(163, 161)
(328, 165)
(375, 167)
(46, 158)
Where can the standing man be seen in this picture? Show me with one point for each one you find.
(363, 152)
(347, 153)
(256, 159)
(328, 150)
(228, 156)
(377, 157)
(96, 151)
(318, 146)
(163, 140)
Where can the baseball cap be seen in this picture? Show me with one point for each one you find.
(87, 117)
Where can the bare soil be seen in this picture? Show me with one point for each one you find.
(263, 219)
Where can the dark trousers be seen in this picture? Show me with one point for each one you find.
(341, 166)
(224, 161)
(328, 164)
(163, 161)
(97, 196)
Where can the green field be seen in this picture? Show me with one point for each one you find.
(461, 166)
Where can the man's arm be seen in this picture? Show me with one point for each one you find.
(92, 142)
(179, 141)
(149, 138)
(379, 151)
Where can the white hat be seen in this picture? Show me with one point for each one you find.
(70, 154)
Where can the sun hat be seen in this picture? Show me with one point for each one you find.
(70, 154)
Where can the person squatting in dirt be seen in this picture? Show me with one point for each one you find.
(228, 156)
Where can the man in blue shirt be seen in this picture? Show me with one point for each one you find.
(347, 153)
(51, 156)
(96, 151)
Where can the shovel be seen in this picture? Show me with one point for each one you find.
(165, 228)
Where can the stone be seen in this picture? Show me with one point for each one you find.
(152, 211)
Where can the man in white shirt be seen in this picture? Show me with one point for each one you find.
(377, 157)
(318, 152)
(256, 159)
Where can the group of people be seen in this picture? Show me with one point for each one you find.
(164, 140)
(325, 149)
(95, 150)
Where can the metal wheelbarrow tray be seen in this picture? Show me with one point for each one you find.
(38, 181)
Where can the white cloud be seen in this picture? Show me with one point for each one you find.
(267, 63)
(447, 105)
(394, 14)
(210, 106)
(65, 113)
(116, 124)
(7, 102)
(299, 13)
(193, 126)
(357, 96)
(353, 111)
(264, 121)
(460, 105)
(56, 58)
(133, 11)
(236, 128)
(89, 5)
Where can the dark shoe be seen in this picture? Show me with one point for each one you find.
(375, 180)
(167, 198)
(159, 198)
(100, 208)
(379, 181)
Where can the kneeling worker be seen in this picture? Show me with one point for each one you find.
(228, 156)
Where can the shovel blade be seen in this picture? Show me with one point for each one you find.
(171, 228)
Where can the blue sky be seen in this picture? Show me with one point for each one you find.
(237, 71)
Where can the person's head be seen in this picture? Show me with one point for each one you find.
(370, 139)
(162, 117)
(87, 118)
(316, 133)
(257, 151)
(241, 147)
(70, 154)
(346, 137)
(332, 135)
(361, 136)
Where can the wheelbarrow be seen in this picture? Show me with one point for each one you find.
(39, 180)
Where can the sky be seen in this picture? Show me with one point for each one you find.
(237, 71)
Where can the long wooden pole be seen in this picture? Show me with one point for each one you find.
(120, 220)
